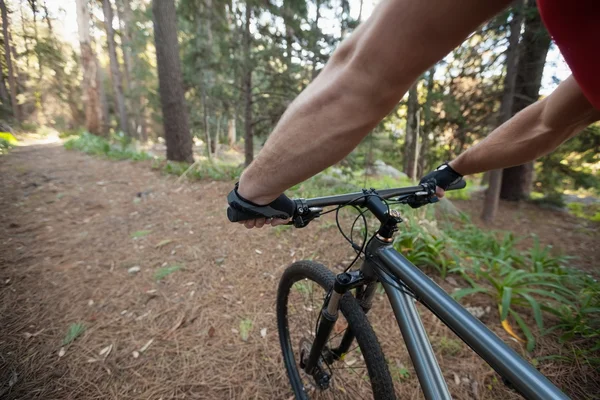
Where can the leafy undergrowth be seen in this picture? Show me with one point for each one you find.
(98, 146)
(587, 211)
(7, 142)
(120, 148)
(520, 282)
(202, 169)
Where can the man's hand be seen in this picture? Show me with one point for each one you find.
(260, 222)
(252, 213)
(443, 176)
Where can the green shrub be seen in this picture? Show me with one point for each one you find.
(553, 199)
(29, 127)
(70, 132)
(214, 170)
(5, 146)
(8, 138)
(587, 211)
(98, 146)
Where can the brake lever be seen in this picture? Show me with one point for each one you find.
(426, 196)
(302, 220)
(304, 214)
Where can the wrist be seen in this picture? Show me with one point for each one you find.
(251, 191)
(456, 166)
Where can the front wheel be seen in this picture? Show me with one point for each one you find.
(361, 373)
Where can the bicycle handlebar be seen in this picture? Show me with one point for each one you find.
(359, 197)
(309, 209)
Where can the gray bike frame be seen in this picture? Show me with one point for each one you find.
(518, 372)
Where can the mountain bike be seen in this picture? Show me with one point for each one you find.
(330, 349)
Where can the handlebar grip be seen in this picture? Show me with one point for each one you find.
(458, 185)
(236, 216)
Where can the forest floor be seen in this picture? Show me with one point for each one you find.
(74, 228)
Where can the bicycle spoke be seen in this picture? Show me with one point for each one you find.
(347, 387)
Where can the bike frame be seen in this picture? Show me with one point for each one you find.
(383, 263)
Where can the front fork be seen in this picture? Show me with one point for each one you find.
(329, 314)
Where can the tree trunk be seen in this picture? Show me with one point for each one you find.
(216, 142)
(360, 9)
(209, 145)
(315, 49)
(4, 96)
(427, 125)
(135, 101)
(174, 108)
(104, 109)
(411, 132)
(123, 14)
(91, 95)
(516, 181)
(36, 47)
(231, 134)
(115, 71)
(248, 137)
(492, 194)
(12, 82)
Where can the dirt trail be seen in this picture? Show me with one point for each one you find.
(71, 229)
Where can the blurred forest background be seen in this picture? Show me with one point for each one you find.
(228, 70)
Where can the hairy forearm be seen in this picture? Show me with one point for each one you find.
(319, 128)
(364, 80)
(532, 133)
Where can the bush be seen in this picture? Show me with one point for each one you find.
(587, 211)
(71, 132)
(203, 169)
(98, 146)
(7, 142)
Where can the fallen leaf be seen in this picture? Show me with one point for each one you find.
(211, 331)
(106, 351)
(30, 335)
(350, 362)
(61, 352)
(258, 251)
(163, 243)
(456, 379)
(139, 234)
(13, 379)
(145, 347)
(263, 332)
(508, 328)
(134, 270)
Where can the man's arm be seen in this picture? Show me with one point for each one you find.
(365, 78)
(532, 133)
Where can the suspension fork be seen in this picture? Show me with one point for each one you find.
(329, 315)
(364, 295)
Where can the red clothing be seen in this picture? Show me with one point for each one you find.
(575, 27)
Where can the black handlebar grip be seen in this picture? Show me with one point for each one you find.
(458, 185)
(237, 216)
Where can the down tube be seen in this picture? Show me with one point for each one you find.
(522, 375)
